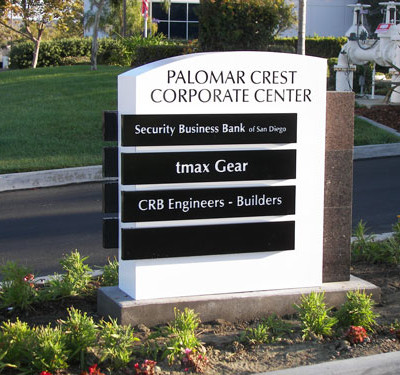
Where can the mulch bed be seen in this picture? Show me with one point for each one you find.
(388, 115)
(227, 355)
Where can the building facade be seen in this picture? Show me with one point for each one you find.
(324, 18)
(180, 21)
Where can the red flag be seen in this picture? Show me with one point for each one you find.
(145, 8)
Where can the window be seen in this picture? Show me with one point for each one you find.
(179, 22)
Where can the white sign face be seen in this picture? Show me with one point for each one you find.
(221, 174)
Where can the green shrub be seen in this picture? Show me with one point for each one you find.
(52, 53)
(152, 348)
(277, 327)
(21, 55)
(156, 47)
(148, 54)
(18, 290)
(74, 47)
(49, 351)
(16, 342)
(110, 273)
(113, 52)
(388, 251)
(257, 335)
(80, 332)
(364, 244)
(365, 248)
(115, 343)
(186, 320)
(75, 280)
(269, 330)
(357, 311)
(226, 25)
(182, 334)
(314, 316)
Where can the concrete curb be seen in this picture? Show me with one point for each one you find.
(376, 151)
(377, 237)
(48, 178)
(378, 364)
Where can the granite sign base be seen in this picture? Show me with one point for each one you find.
(111, 301)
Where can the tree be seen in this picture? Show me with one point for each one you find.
(96, 7)
(237, 24)
(131, 24)
(35, 15)
(71, 23)
(125, 22)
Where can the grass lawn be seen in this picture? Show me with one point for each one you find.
(367, 134)
(52, 117)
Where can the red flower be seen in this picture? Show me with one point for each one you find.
(28, 278)
(93, 370)
(356, 334)
(45, 373)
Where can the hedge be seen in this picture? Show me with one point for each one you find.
(52, 53)
(125, 52)
(325, 47)
(135, 50)
(145, 55)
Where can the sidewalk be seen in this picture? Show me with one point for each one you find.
(379, 364)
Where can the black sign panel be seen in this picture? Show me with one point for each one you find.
(147, 243)
(200, 129)
(207, 203)
(183, 167)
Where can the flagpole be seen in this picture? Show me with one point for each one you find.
(151, 16)
(145, 13)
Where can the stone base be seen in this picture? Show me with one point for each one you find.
(111, 301)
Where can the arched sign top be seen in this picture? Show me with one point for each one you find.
(223, 79)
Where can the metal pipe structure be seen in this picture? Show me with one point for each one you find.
(383, 48)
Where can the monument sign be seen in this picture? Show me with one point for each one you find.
(221, 165)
